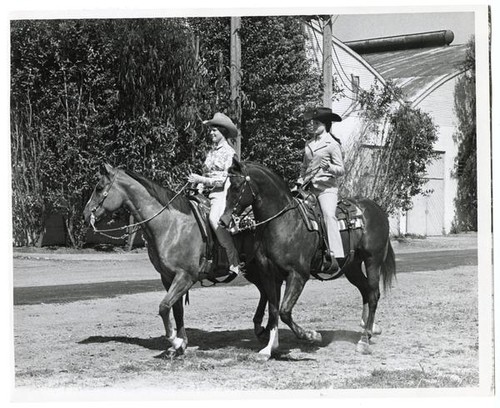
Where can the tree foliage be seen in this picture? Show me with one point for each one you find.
(57, 93)
(389, 162)
(85, 91)
(280, 83)
(134, 92)
(465, 169)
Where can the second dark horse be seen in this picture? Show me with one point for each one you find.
(288, 250)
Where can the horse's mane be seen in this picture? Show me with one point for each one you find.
(275, 178)
(162, 194)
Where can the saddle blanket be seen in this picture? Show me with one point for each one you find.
(349, 215)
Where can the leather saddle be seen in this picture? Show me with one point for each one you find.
(351, 226)
(214, 263)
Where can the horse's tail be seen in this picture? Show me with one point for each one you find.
(388, 268)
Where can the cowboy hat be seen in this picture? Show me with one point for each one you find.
(324, 115)
(221, 120)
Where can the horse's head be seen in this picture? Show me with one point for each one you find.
(107, 196)
(240, 194)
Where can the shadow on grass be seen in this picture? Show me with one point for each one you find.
(240, 339)
(155, 343)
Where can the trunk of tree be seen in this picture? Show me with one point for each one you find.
(69, 230)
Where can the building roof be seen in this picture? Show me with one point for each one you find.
(419, 71)
(419, 63)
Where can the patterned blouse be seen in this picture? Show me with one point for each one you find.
(217, 163)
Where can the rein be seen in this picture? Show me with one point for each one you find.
(136, 226)
(291, 205)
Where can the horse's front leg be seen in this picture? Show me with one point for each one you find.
(173, 298)
(258, 317)
(272, 292)
(294, 285)
(253, 275)
(179, 324)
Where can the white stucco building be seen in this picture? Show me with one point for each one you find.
(426, 67)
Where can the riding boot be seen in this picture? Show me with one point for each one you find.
(234, 271)
(330, 264)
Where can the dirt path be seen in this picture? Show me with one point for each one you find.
(64, 266)
(430, 339)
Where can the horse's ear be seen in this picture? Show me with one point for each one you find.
(106, 169)
(236, 166)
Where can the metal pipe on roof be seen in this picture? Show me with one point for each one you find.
(402, 42)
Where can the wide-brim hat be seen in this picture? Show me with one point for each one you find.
(324, 115)
(221, 120)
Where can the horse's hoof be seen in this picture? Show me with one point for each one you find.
(175, 353)
(178, 349)
(179, 345)
(170, 354)
(182, 349)
(314, 337)
(264, 354)
(164, 355)
(363, 347)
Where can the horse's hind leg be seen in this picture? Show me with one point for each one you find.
(177, 289)
(369, 289)
(376, 329)
(373, 278)
(355, 275)
(294, 286)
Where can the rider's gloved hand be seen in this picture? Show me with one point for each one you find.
(296, 186)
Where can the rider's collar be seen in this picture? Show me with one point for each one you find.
(219, 145)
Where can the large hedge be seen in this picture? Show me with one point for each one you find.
(278, 83)
(134, 93)
(465, 136)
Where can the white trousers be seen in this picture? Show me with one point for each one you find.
(217, 206)
(328, 203)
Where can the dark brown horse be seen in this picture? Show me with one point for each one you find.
(290, 250)
(175, 243)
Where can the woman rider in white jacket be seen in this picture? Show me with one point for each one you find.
(322, 167)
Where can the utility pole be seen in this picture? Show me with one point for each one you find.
(235, 80)
(327, 61)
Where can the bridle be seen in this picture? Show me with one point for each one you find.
(136, 226)
(101, 201)
(237, 219)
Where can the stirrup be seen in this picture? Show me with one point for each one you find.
(330, 265)
(232, 274)
(229, 278)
